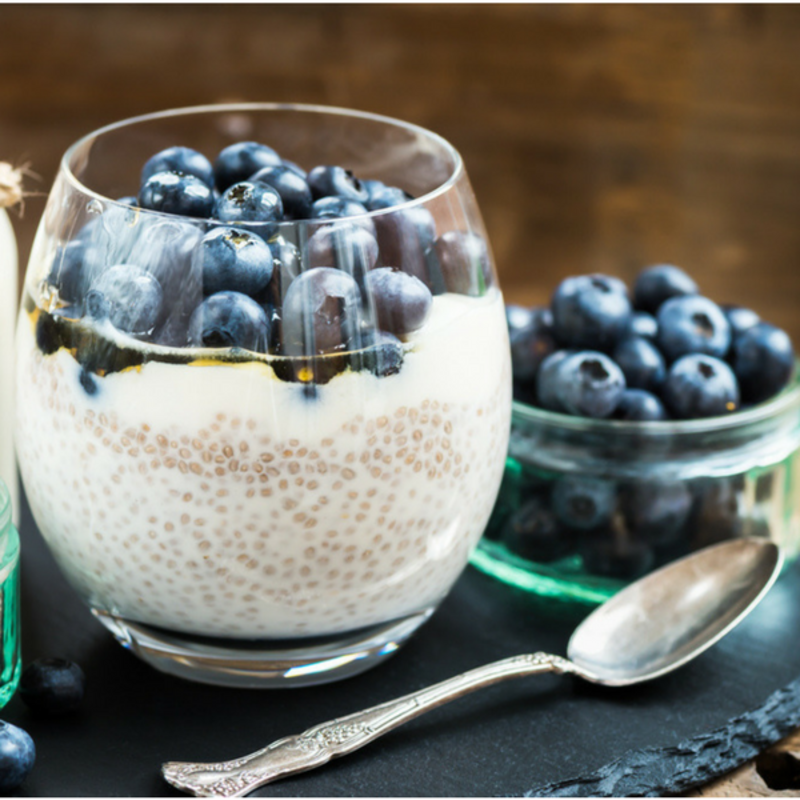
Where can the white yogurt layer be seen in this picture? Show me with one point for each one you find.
(217, 499)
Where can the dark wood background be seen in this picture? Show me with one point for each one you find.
(597, 137)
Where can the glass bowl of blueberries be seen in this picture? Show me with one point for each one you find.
(263, 386)
(646, 424)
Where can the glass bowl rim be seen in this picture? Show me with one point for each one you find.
(456, 172)
(785, 401)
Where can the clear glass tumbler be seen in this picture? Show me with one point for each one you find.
(280, 487)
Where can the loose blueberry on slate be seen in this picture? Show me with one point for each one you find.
(405, 238)
(321, 312)
(692, 324)
(129, 296)
(583, 503)
(641, 362)
(659, 283)
(763, 360)
(548, 382)
(531, 342)
(401, 301)
(294, 192)
(463, 261)
(700, 386)
(656, 511)
(239, 161)
(740, 318)
(533, 532)
(345, 246)
(644, 325)
(588, 384)
(237, 260)
(590, 311)
(250, 202)
(381, 353)
(17, 754)
(230, 319)
(180, 159)
(609, 556)
(177, 193)
(333, 181)
(637, 405)
(52, 686)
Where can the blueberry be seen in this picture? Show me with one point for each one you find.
(67, 273)
(637, 405)
(659, 283)
(326, 181)
(533, 532)
(763, 360)
(401, 301)
(52, 686)
(692, 324)
(531, 344)
(180, 159)
(294, 192)
(588, 384)
(718, 513)
(17, 754)
(383, 197)
(644, 325)
(609, 556)
(236, 260)
(88, 382)
(519, 317)
(463, 262)
(239, 161)
(656, 511)
(700, 386)
(405, 238)
(129, 296)
(641, 362)
(336, 208)
(48, 334)
(129, 200)
(345, 246)
(548, 382)
(584, 503)
(296, 168)
(286, 267)
(590, 311)
(177, 193)
(381, 353)
(230, 319)
(740, 318)
(321, 312)
(251, 202)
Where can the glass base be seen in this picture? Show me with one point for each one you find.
(267, 664)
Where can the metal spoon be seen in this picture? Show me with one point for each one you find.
(650, 628)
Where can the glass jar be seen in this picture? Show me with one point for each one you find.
(587, 505)
(10, 662)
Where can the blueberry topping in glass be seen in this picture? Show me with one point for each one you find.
(531, 342)
(588, 384)
(740, 318)
(333, 181)
(401, 301)
(230, 319)
(692, 324)
(321, 312)
(17, 755)
(590, 311)
(177, 193)
(381, 353)
(250, 202)
(237, 260)
(294, 192)
(584, 503)
(382, 196)
(52, 686)
(644, 325)
(700, 386)
(128, 296)
(463, 261)
(763, 360)
(336, 207)
(239, 161)
(641, 362)
(637, 405)
(296, 168)
(345, 246)
(180, 159)
(405, 238)
(67, 273)
(659, 283)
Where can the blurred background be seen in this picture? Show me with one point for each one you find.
(597, 137)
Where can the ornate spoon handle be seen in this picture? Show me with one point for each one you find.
(320, 744)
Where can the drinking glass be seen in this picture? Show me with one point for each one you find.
(274, 482)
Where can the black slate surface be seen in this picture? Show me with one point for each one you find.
(545, 735)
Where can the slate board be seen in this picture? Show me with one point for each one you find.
(545, 735)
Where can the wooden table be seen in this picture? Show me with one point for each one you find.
(597, 138)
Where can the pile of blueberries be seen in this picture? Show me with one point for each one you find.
(669, 353)
(48, 687)
(223, 271)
